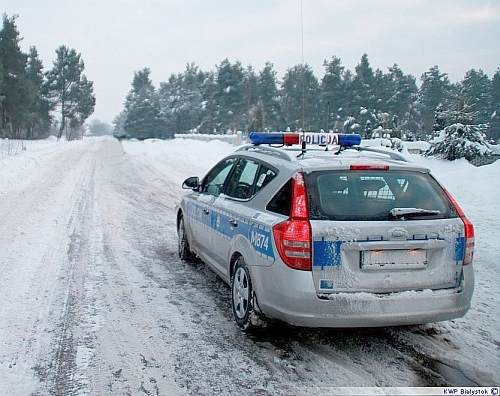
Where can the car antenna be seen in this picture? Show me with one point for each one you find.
(303, 145)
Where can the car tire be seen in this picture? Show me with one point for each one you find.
(243, 299)
(183, 248)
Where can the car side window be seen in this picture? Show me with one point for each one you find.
(241, 182)
(214, 180)
(280, 203)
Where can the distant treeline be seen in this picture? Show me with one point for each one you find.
(239, 98)
(30, 96)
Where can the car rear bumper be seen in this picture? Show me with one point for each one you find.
(292, 298)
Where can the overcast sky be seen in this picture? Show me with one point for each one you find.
(117, 37)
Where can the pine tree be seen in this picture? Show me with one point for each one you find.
(363, 85)
(181, 100)
(230, 95)
(251, 88)
(334, 91)
(299, 95)
(495, 106)
(39, 116)
(69, 89)
(460, 137)
(143, 109)
(270, 109)
(435, 90)
(475, 89)
(119, 124)
(15, 93)
(210, 108)
(403, 92)
(85, 102)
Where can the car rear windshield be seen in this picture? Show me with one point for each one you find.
(371, 195)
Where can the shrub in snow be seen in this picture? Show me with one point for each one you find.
(460, 141)
(396, 144)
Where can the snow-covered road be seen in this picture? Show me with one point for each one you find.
(95, 301)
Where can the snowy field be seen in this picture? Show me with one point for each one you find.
(95, 300)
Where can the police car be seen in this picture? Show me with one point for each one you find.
(335, 235)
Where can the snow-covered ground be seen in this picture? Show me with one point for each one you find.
(95, 300)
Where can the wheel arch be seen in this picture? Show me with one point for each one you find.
(178, 219)
(232, 262)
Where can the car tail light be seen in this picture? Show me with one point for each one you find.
(293, 236)
(468, 230)
(361, 167)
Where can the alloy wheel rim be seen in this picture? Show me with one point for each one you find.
(240, 293)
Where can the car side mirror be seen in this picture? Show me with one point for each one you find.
(191, 183)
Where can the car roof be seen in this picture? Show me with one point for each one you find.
(320, 159)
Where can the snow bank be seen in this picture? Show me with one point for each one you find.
(179, 158)
(22, 159)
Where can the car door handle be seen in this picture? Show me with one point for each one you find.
(206, 211)
(233, 222)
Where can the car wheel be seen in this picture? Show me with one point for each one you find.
(243, 298)
(182, 242)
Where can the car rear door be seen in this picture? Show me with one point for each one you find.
(237, 217)
(358, 246)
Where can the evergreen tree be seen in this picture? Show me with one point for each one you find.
(299, 95)
(15, 85)
(230, 95)
(475, 90)
(435, 90)
(269, 107)
(143, 109)
(363, 85)
(403, 92)
(251, 87)
(85, 101)
(334, 91)
(210, 108)
(181, 100)
(495, 106)
(69, 89)
(39, 116)
(119, 124)
(460, 137)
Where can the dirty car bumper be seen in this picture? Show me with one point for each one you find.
(290, 296)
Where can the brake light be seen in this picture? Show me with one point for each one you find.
(468, 229)
(361, 167)
(293, 236)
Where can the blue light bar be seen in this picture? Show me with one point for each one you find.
(265, 138)
(282, 138)
(313, 138)
(349, 140)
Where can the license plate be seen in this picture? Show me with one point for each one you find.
(393, 259)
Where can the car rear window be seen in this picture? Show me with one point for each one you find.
(370, 195)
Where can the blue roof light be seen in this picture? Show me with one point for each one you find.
(312, 138)
(349, 140)
(281, 138)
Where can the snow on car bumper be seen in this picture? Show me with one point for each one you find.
(293, 299)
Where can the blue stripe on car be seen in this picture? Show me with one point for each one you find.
(459, 249)
(327, 253)
(259, 236)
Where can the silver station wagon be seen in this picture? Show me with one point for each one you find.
(337, 235)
